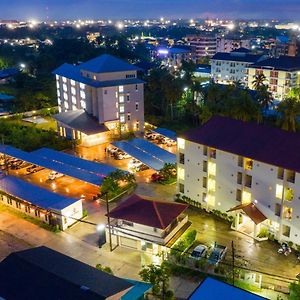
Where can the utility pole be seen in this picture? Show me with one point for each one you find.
(108, 221)
(232, 247)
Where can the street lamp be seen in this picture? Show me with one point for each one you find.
(102, 236)
(22, 66)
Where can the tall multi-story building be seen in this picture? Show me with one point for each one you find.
(282, 74)
(248, 170)
(97, 98)
(228, 44)
(202, 45)
(229, 67)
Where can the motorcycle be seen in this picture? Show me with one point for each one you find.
(285, 249)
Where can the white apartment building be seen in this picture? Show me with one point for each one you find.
(97, 98)
(229, 67)
(282, 74)
(202, 45)
(248, 170)
(227, 44)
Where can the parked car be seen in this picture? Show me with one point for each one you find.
(156, 177)
(199, 251)
(53, 175)
(111, 150)
(134, 163)
(217, 254)
(121, 155)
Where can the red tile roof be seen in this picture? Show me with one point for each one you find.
(148, 212)
(260, 142)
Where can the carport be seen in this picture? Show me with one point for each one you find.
(97, 168)
(149, 154)
(166, 133)
(60, 167)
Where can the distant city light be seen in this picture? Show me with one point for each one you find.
(22, 66)
(231, 26)
(120, 25)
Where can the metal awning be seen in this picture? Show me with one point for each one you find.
(166, 132)
(251, 210)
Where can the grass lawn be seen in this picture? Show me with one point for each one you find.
(19, 214)
(51, 124)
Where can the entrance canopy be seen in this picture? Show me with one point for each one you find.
(251, 211)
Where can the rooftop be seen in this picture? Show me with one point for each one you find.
(81, 121)
(211, 289)
(42, 273)
(260, 142)
(237, 56)
(283, 63)
(34, 194)
(6, 73)
(5, 97)
(148, 212)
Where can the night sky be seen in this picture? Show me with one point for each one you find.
(120, 9)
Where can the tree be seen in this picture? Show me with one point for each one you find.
(294, 291)
(258, 81)
(104, 269)
(289, 110)
(264, 97)
(159, 277)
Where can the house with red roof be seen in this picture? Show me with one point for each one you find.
(147, 225)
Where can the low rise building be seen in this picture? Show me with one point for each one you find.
(248, 170)
(282, 74)
(39, 203)
(228, 44)
(100, 97)
(148, 225)
(229, 67)
(202, 45)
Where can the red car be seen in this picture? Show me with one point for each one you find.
(156, 177)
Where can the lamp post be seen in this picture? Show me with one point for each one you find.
(108, 220)
(102, 236)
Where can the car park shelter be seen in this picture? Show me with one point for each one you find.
(166, 132)
(149, 154)
(58, 166)
(99, 169)
(213, 289)
(40, 203)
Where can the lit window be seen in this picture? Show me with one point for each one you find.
(279, 191)
(74, 100)
(65, 96)
(211, 200)
(246, 197)
(74, 107)
(57, 84)
(95, 77)
(180, 173)
(58, 93)
(57, 77)
(82, 94)
(121, 108)
(212, 168)
(66, 105)
(121, 99)
(64, 79)
(58, 100)
(82, 86)
(122, 118)
(72, 82)
(211, 185)
(121, 89)
(83, 104)
(65, 88)
(180, 143)
(117, 104)
(73, 90)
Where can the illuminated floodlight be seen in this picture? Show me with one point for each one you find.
(100, 227)
(120, 25)
(163, 51)
(231, 26)
(22, 66)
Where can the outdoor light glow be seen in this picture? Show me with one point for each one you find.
(100, 227)
(231, 26)
(120, 25)
(23, 66)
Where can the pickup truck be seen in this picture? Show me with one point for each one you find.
(217, 254)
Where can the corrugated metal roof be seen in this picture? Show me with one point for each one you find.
(166, 132)
(34, 194)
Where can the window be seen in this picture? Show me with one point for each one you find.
(136, 87)
(83, 104)
(82, 86)
(122, 118)
(65, 88)
(180, 173)
(289, 194)
(240, 161)
(239, 178)
(180, 143)
(290, 176)
(205, 150)
(73, 90)
(64, 79)
(181, 158)
(65, 96)
(121, 89)
(137, 125)
(212, 153)
(204, 166)
(72, 82)
(181, 188)
(248, 181)
(211, 185)
(238, 196)
(130, 75)
(82, 94)
(248, 164)
(204, 182)
(204, 197)
(128, 98)
(246, 197)
(122, 108)
(121, 99)
(286, 230)
(287, 213)
(66, 104)
(74, 107)
(105, 92)
(277, 209)
(279, 191)
(128, 117)
(58, 93)
(95, 77)
(280, 173)
(74, 100)
(136, 106)
(212, 168)
(128, 223)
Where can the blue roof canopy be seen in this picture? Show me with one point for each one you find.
(60, 167)
(90, 166)
(34, 194)
(166, 132)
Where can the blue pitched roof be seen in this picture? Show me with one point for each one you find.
(5, 73)
(166, 132)
(107, 63)
(237, 56)
(74, 72)
(34, 194)
(212, 289)
(5, 97)
(285, 63)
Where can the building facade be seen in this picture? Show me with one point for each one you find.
(282, 74)
(227, 44)
(239, 168)
(99, 97)
(202, 45)
(229, 67)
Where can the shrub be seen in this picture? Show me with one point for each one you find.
(84, 213)
(263, 232)
(290, 243)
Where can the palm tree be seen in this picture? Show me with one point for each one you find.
(289, 110)
(258, 81)
(264, 97)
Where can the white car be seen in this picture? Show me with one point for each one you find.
(134, 164)
(53, 175)
(199, 252)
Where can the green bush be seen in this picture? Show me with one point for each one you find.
(84, 213)
(263, 232)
